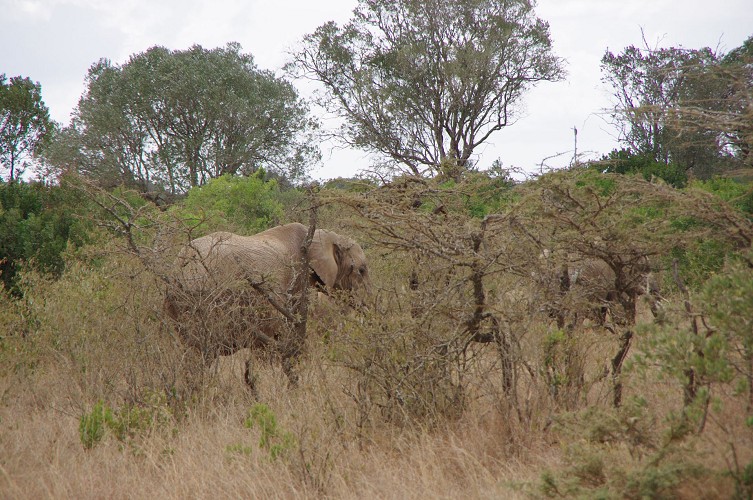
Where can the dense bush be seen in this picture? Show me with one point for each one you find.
(457, 369)
(625, 162)
(37, 223)
(241, 204)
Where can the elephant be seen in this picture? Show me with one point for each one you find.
(232, 292)
(594, 284)
(589, 287)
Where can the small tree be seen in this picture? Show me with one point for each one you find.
(24, 123)
(614, 224)
(425, 83)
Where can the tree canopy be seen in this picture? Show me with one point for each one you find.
(681, 106)
(175, 119)
(424, 83)
(24, 123)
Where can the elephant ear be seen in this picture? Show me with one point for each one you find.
(325, 255)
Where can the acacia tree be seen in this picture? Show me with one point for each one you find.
(429, 326)
(424, 83)
(175, 119)
(582, 218)
(24, 123)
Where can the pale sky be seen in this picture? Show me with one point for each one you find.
(54, 42)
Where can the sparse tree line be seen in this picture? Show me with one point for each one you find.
(686, 110)
(563, 295)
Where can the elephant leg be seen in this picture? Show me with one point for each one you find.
(289, 367)
(250, 377)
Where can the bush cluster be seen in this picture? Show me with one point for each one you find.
(479, 307)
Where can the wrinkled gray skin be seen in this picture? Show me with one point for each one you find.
(226, 283)
(593, 281)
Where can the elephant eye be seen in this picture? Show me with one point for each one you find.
(362, 271)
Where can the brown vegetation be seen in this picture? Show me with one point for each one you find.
(456, 381)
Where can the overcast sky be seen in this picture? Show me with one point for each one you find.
(54, 42)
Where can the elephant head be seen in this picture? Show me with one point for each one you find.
(232, 291)
(595, 281)
(338, 262)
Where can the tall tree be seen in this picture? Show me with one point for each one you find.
(176, 119)
(738, 123)
(729, 114)
(687, 107)
(24, 123)
(425, 82)
(646, 83)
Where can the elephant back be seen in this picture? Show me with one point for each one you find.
(228, 260)
(594, 276)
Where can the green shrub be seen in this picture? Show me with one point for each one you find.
(488, 192)
(37, 223)
(126, 423)
(736, 193)
(624, 161)
(728, 301)
(240, 204)
(696, 263)
(92, 425)
(272, 439)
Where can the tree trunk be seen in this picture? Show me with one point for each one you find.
(617, 362)
(299, 307)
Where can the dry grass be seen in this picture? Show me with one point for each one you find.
(43, 456)
(89, 338)
(480, 455)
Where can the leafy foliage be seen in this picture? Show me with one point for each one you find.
(37, 223)
(172, 120)
(126, 424)
(92, 426)
(25, 123)
(272, 439)
(728, 302)
(426, 82)
(737, 194)
(625, 162)
(242, 204)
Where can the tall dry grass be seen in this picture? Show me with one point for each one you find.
(196, 455)
(99, 335)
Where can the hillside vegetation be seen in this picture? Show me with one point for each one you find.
(473, 372)
(581, 333)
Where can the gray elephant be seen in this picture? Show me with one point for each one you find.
(232, 292)
(579, 287)
(595, 286)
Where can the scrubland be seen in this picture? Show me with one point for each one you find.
(436, 391)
